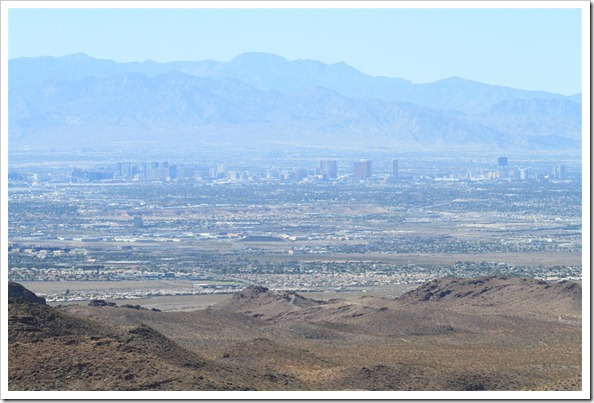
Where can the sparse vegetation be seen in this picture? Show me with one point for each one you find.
(489, 333)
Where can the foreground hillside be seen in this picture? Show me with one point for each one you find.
(490, 333)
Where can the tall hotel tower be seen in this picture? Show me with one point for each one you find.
(328, 169)
(395, 169)
(362, 169)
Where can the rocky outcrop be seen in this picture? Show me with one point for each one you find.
(513, 294)
(491, 289)
(17, 292)
(100, 302)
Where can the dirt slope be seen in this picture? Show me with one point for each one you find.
(488, 333)
(52, 350)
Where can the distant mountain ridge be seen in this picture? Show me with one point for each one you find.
(265, 99)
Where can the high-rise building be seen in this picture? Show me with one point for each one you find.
(516, 174)
(173, 172)
(362, 169)
(395, 168)
(201, 173)
(560, 171)
(156, 171)
(328, 169)
(502, 168)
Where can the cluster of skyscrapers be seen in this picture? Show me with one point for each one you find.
(362, 169)
(522, 173)
(327, 169)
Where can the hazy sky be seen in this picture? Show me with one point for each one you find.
(521, 48)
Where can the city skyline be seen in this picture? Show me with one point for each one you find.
(225, 171)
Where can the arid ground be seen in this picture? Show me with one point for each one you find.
(488, 333)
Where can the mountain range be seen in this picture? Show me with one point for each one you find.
(264, 100)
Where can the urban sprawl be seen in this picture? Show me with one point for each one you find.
(301, 223)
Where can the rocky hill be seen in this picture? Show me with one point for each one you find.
(17, 292)
(260, 302)
(490, 333)
(512, 294)
(52, 350)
